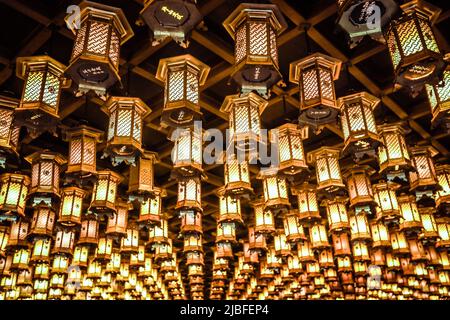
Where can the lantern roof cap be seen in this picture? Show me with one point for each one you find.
(385, 185)
(9, 102)
(251, 97)
(267, 173)
(46, 155)
(24, 64)
(305, 186)
(337, 199)
(358, 168)
(74, 188)
(427, 149)
(106, 12)
(398, 127)
(82, 130)
(165, 64)
(112, 173)
(255, 11)
(8, 175)
(370, 99)
(313, 155)
(314, 59)
(150, 155)
(140, 105)
(429, 10)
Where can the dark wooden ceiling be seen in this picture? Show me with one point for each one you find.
(37, 27)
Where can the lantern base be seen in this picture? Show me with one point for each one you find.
(36, 121)
(259, 78)
(238, 188)
(318, 116)
(121, 153)
(171, 18)
(182, 115)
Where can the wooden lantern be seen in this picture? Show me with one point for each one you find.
(393, 154)
(189, 193)
(443, 177)
(439, 98)
(386, 199)
(410, 220)
(13, 193)
(360, 230)
(256, 241)
(141, 183)
(255, 28)
(237, 176)
(118, 222)
(229, 207)
(94, 63)
(315, 75)
(264, 220)
(308, 208)
(359, 185)
(159, 234)
(64, 242)
(399, 243)
(105, 190)
(150, 209)
(226, 232)
(380, 235)
(43, 221)
(275, 189)
(191, 222)
(337, 214)
(414, 52)
(292, 228)
(444, 234)
(341, 244)
(182, 75)
(318, 236)
(360, 251)
(71, 206)
(192, 242)
(187, 152)
(125, 129)
(424, 177)
(130, 242)
(41, 251)
(89, 233)
(17, 234)
(224, 250)
(429, 231)
(328, 172)
(38, 109)
(9, 133)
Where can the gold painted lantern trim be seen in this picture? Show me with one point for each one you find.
(182, 75)
(104, 193)
(125, 129)
(328, 172)
(414, 52)
(315, 75)
(255, 28)
(13, 193)
(38, 109)
(94, 63)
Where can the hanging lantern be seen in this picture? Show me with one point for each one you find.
(130, 242)
(45, 172)
(341, 244)
(41, 251)
(125, 129)
(281, 246)
(244, 121)
(4, 236)
(417, 250)
(171, 18)
(308, 208)
(414, 52)
(360, 230)
(424, 177)
(187, 152)
(393, 154)
(38, 109)
(264, 221)
(141, 180)
(182, 75)
(192, 242)
(292, 228)
(13, 193)
(358, 122)
(328, 172)
(429, 226)
(380, 235)
(20, 261)
(318, 236)
(82, 151)
(71, 206)
(410, 220)
(9, 133)
(257, 241)
(360, 251)
(439, 97)
(104, 193)
(291, 155)
(224, 250)
(226, 232)
(43, 221)
(229, 207)
(315, 75)
(150, 209)
(64, 242)
(60, 264)
(17, 234)
(275, 189)
(443, 177)
(100, 31)
(89, 233)
(399, 243)
(237, 176)
(326, 258)
(365, 18)
(191, 222)
(387, 204)
(159, 234)
(337, 214)
(117, 223)
(444, 234)
(189, 193)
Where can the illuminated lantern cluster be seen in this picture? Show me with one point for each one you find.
(100, 30)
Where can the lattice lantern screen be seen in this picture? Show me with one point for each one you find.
(182, 75)
(94, 63)
(237, 176)
(255, 29)
(187, 152)
(141, 184)
(13, 194)
(9, 133)
(328, 172)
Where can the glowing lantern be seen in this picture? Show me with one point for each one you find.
(71, 206)
(4, 236)
(417, 250)
(292, 228)
(318, 236)
(255, 28)
(182, 75)
(117, 223)
(224, 250)
(387, 204)
(414, 52)
(393, 154)
(360, 251)
(380, 235)
(443, 176)
(82, 151)
(189, 193)
(125, 129)
(41, 251)
(17, 234)
(399, 243)
(328, 172)
(291, 155)
(64, 242)
(282, 247)
(105, 190)
(326, 258)
(410, 220)
(45, 172)
(439, 97)
(357, 18)
(308, 208)
(359, 186)
(130, 242)
(256, 241)
(226, 232)
(150, 209)
(38, 109)
(430, 230)
(264, 221)
(229, 207)
(275, 189)
(244, 120)
(341, 244)
(170, 18)
(360, 230)
(444, 234)
(424, 177)
(315, 75)
(191, 222)
(187, 152)
(42, 222)
(141, 180)
(89, 232)
(60, 264)
(337, 214)
(13, 193)
(237, 176)
(159, 234)
(9, 133)
(101, 30)
(192, 242)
